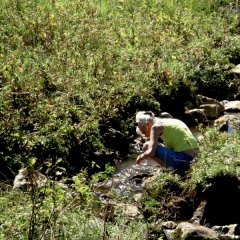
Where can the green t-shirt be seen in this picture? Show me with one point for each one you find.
(177, 136)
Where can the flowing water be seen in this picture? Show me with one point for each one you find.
(128, 175)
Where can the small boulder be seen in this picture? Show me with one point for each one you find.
(233, 106)
(202, 100)
(223, 123)
(189, 231)
(212, 111)
(236, 69)
(29, 177)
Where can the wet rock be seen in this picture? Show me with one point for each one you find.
(206, 109)
(223, 122)
(138, 179)
(127, 210)
(160, 228)
(202, 100)
(168, 234)
(107, 184)
(168, 225)
(113, 209)
(195, 116)
(232, 230)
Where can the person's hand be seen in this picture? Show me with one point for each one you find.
(139, 159)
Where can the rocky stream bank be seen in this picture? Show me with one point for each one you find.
(213, 214)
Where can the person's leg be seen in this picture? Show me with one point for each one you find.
(177, 160)
(155, 158)
(165, 155)
(182, 161)
(159, 161)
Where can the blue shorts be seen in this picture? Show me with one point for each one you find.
(177, 160)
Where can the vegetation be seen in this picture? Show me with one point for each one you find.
(73, 212)
(220, 157)
(72, 70)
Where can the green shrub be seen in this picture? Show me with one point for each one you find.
(70, 69)
(219, 157)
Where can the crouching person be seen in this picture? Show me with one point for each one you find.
(180, 146)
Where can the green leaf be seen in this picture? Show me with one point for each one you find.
(15, 135)
(32, 161)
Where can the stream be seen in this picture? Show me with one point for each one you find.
(127, 178)
(130, 174)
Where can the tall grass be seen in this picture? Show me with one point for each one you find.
(219, 157)
(71, 69)
(53, 213)
(73, 212)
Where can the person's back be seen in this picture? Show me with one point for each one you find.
(176, 135)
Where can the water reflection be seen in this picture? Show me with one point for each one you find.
(230, 123)
(130, 174)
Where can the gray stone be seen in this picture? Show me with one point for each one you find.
(28, 177)
(236, 69)
(168, 225)
(222, 123)
(202, 100)
(211, 110)
(189, 231)
(232, 106)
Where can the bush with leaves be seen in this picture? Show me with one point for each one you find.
(70, 69)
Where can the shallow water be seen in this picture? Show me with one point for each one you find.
(128, 175)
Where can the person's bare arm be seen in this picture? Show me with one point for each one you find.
(156, 131)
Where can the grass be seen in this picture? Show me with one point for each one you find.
(69, 70)
(74, 213)
(59, 217)
(219, 157)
